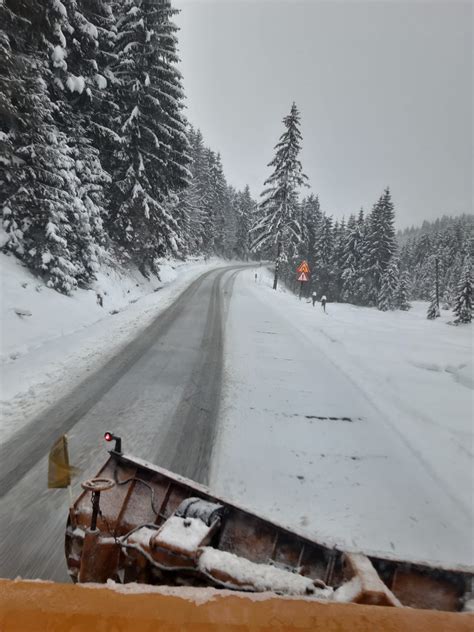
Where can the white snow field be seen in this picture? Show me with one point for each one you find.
(354, 427)
(49, 342)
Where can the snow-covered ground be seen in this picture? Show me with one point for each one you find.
(353, 426)
(49, 342)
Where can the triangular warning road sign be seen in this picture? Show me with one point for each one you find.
(302, 277)
(303, 267)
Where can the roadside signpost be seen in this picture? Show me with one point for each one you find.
(303, 272)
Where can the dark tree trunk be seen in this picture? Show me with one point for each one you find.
(277, 266)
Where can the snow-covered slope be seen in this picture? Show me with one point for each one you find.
(50, 341)
(33, 314)
(354, 426)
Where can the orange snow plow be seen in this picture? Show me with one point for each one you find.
(138, 523)
(150, 550)
(27, 606)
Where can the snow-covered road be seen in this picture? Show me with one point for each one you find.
(313, 440)
(160, 392)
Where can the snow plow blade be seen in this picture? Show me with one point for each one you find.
(139, 523)
(28, 606)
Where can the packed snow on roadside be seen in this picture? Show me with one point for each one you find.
(353, 427)
(49, 341)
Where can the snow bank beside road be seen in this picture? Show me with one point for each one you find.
(51, 315)
(49, 342)
(354, 427)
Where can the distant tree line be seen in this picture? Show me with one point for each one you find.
(449, 240)
(96, 155)
(360, 260)
(216, 218)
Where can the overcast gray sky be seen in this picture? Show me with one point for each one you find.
(385, 91)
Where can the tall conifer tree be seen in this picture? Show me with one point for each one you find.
(278, 228)
(464, 298)
(381, 244)
(153, 159)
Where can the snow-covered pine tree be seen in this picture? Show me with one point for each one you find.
(451, 268)
(450, 238)
(447, 299)
(193, 199)
(42, 211)
(401, 297)
(381, 245)
(15, 108)
(433, 307)
(340, 235)
(312, 218)
(464, 297)
(278, 229)
(219, 203)
(245, 208)
(208, 206)
(353, 272)
(16, 65)
(425, 268)
(294, 253)
(73, 51)
(349, 259)
(104, 106)
(152, 162)
(323, 271)
(40, 217)
(166, 89)
(230, 215)
(389, 284)
(213, 188)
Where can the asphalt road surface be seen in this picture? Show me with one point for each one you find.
(161, 393)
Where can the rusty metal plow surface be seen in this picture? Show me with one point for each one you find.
(137, 522)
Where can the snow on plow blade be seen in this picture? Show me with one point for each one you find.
(137, 522)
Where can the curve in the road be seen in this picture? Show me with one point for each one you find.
(196, 414)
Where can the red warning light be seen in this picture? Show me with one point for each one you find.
(109, 436)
